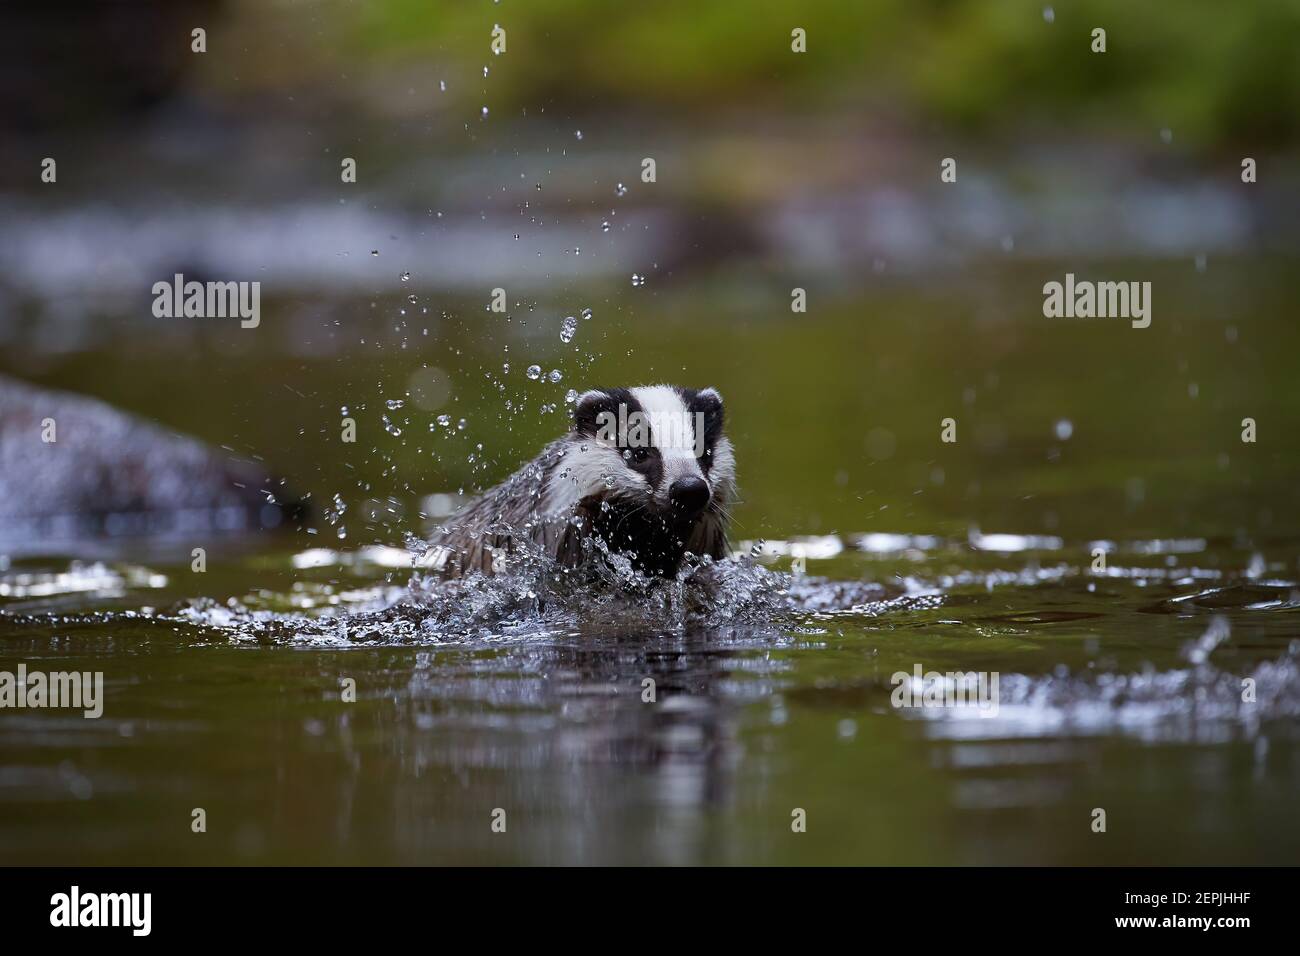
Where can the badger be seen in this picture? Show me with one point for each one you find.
(643, 472)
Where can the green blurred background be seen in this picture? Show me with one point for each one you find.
(775, 170)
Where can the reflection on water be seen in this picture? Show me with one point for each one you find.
(684, 725)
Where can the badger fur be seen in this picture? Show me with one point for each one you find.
(646, 470)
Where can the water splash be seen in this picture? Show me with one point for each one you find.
(534, 598)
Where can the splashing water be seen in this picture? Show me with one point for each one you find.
(545, 666)
(532, 596)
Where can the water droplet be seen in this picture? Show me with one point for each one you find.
(394, 403)
(534, 372)
(405, 277)
(571, 396)
(568, 329)
(1257, 568)
(554, 376)
(1064, 429)
(374, 252)
(485, 112)
(620, 190)
(586, 313)
(1049, 14)
(604, 225)
(638, 279)
(444, 420)
(578, 133)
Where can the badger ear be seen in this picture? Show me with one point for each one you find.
(708, 402)
(588, 408)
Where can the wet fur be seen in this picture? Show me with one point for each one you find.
(581, 487)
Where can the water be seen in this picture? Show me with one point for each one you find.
(568, 329)
(1119, 690)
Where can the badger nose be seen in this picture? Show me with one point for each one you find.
(689, 495)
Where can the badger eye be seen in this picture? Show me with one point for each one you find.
(636, 456)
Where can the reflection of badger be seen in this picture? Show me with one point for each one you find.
(647, 471)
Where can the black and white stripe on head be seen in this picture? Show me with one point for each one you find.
(705, 404)
(642, 441)
(592, 406)
(677, 433)
(615, 418)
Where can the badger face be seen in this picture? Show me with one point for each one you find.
(651, 465)
(659, 445)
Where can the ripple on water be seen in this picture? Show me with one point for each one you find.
(1195, 692)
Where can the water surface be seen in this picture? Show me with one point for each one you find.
(1119, 690)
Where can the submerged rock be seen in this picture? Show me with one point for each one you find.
(72, 466)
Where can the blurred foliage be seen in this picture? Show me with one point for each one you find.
(1209, 70)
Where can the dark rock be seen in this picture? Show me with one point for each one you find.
(108, 472)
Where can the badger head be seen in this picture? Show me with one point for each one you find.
(653, 467)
